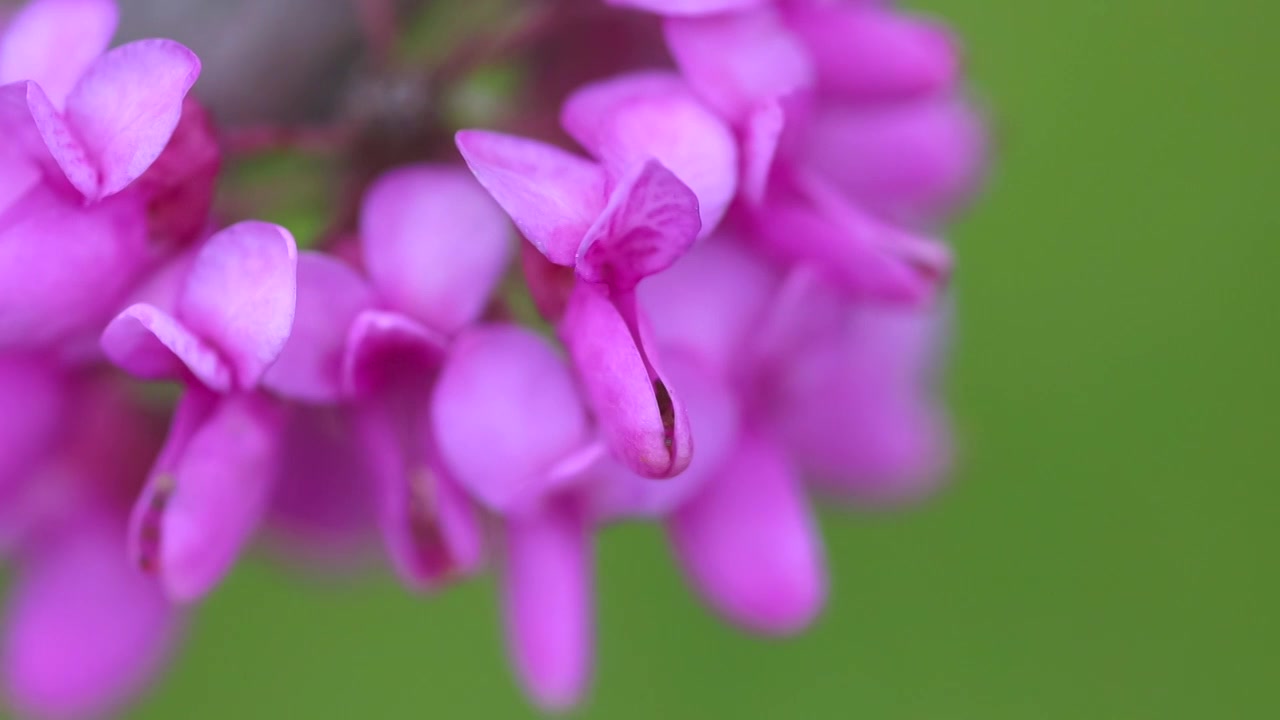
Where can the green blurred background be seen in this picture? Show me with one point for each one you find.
(1107, 550)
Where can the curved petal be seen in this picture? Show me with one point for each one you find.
(709, 302)
(53, 42)
(64, 268)
(687, 7)
(220, 486)
(149, 343)
(863, 52)
(641, 416)
(330, 297)
(125, 108)
(34, 400)
(547, 603)
(629, 119)
(713, 407)
(505, 411)
(911, 161)
(739, 61)
(85, 631)
(384, 348)
(429, 526)
(650, 221)
(241, 294)
(749, 543)
(552, 196)
(435, 244)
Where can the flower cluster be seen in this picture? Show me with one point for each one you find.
(739, 296)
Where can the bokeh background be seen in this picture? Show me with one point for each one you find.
(1108, 547)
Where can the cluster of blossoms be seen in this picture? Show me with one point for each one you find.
(740, 297)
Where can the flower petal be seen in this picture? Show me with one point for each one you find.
(687, 7)
(384, 348)
(868, 53)
(220, 487)
(641, 416)
(53, 42)
(85, 630)
(505, 411)
(64, 268)
(749, 544)
(34, 400)
(125, 108)
(330, 297)
(650, 221)
(552, 196)
(435, 244)
(547, 603)
(241, 294)
(629, 119)
(739, 61)
(149, 343)
(714, 408)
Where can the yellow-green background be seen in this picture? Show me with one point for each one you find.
(1107, 550)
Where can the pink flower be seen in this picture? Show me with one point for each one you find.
(209, 488)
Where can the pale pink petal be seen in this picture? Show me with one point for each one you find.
(552, 196)
(434, 243)
(65, 268)
(869, 53)
(739, 61)
(749, 543)
(85, 630)
(126, 106)
(53, 42)
(547, 603)
(241, 294)
(330, 297)
(650, 221)
(383, 348)
(505, 412)
(641, 415)
(149, 343)
(221, 485)
(629, 119)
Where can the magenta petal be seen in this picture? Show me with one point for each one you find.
(868, 53)
(435, 244)
(64, 268)
(641, 416)
(687, 7)
(330, 296)
(505, 411)
(241, 294)
(385, 347)
(547, 603)
(221, 485)
(552, 196)
(710, 302)
(126, 106)
(713, 407)
(429, 526)
(53, 42)
(629, 119)
(911, 161)
(34, 400)
(749, 543)
(650, 221)
(738, 62)
(149, 343)
(85, 631)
